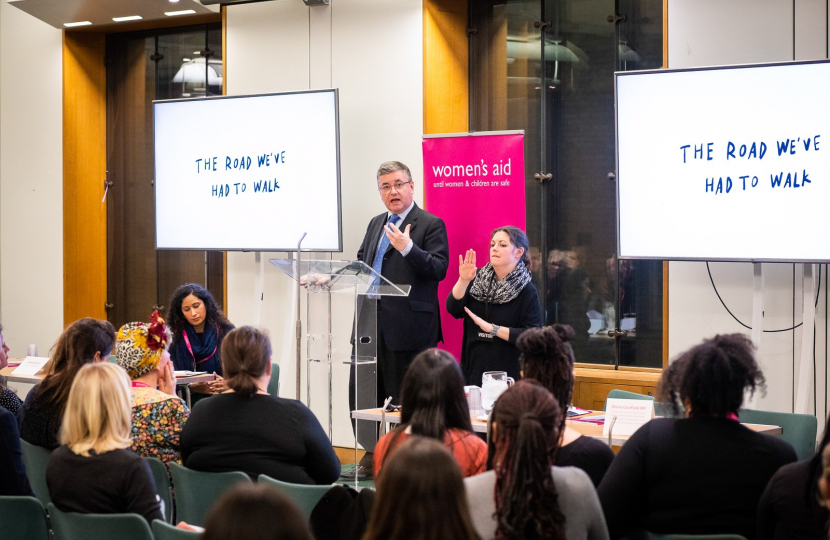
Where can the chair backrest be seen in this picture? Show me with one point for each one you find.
(163, 488)
(23, 518)
(36, 459)
(197, 491)
(274, 385)
(165, 531)
(304, 496)
(640, 534)
(75, 526)
(799, 429)
(624, 394)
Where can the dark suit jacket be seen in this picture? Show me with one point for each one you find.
(414, 322)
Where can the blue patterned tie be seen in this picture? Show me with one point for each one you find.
(384, 243)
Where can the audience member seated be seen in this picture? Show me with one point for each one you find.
(251, 512)
(245, 429)
(824, 481)
(433, 404)
(13, 479)
(198, 327)
(158, 413)
(85, 341)
(94, 472)
(792, 506)
(420, 496)
(547, 357)
(703, 474)
(525, 496)
(8, 399)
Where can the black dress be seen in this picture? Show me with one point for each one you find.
(591, 455)
(478, 356)
(691, 476)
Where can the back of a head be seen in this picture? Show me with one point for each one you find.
(710, 379)
(246, 353)
(77, 346)
(546, 356)
(421, 496)
(98, 413)
(432, 395)
(527, 420)
(250, 512)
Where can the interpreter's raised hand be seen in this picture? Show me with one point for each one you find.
(398, 239)
(481, 323)
(167, 379)
(467, 266)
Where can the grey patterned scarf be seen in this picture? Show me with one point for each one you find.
(487, 287)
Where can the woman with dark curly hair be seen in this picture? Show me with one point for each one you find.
(547, 357)
(705, 473)
(198, 327)
(525, 497)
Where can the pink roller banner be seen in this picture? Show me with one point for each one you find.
(475, 183)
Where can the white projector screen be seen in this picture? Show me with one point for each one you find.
(727, 163)
(248, 172)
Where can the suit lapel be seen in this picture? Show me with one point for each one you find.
(411, 219)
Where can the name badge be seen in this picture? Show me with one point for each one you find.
(484, 336)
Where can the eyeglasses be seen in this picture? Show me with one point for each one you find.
(386, 188)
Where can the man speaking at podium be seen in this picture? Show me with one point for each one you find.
(407, 246)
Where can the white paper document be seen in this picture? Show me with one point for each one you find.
(630, 415)
(30, 366)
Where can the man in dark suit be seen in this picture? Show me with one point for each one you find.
(407, 246)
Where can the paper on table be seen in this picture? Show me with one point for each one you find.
(30, 366)
(630, 415)
(185, 373)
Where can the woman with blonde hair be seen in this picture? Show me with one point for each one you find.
(158, 413)
(93, 472)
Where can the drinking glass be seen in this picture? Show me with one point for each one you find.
(493, 384)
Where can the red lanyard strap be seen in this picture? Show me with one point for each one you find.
(189, 348)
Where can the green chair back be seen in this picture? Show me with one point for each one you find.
(165, 531)
(645, 535)
(799, 429)
(23, 518)
(274, 385)
(163, 488)
(625, 394)
(36, 459)
(197, 491)
(304, 496)
(74, 526)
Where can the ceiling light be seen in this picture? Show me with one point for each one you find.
(82, 23)
(130, 18)
(185, 59)
(183, 12)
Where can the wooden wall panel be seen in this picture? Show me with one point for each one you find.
(446, 88)
(84, 172)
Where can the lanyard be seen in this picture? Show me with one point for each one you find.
(137, 384)
(189, 348)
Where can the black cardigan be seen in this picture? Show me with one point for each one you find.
(690, 476)
(518, 315)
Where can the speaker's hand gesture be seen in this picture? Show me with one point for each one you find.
(467, 266)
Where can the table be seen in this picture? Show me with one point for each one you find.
(587, 429)
(7, 372)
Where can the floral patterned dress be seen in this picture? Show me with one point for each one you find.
(158, 419)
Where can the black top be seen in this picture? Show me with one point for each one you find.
(39, 424)
(262, 434)
(691, 476)
(478, 356)
(413, 322)
(591, 455)
(115, 482)
(8, 399)
(785, 513)
(13, 479)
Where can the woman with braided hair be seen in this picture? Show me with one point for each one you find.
(533, 499)
(705, 473)
(497, 302)
(547, 357)
(246, 429)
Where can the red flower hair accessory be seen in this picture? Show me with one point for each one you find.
(156, 332)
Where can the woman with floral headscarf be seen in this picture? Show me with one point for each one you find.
(158, 414)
